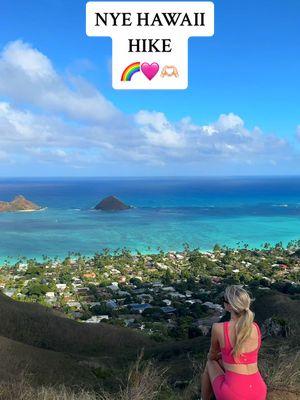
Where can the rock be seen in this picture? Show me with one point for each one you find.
(112, 203)
(277, 327)
(19, 203)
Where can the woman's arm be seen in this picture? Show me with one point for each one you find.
(214, 351)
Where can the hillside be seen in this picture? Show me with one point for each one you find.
(19, 203)
(42, 327)
(53, 349)
(46, 366)
(112, 203)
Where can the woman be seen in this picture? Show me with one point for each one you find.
(235, 376)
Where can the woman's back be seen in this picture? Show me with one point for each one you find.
(246, 363)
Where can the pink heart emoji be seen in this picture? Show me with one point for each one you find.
(150, 70)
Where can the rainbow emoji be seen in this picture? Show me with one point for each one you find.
(130, 71)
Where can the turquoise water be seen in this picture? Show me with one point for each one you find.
(167, 214)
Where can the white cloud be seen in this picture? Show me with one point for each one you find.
(229, 122)
(28, 76)
(52, 119)
(158, 131)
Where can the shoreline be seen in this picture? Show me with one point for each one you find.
(13, 260)
(23, 211)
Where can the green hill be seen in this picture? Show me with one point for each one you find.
(44, 328)
(54, 350)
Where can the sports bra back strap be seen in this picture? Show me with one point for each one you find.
(259, 334)
(226, 335)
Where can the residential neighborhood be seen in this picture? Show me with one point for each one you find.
(165, 295)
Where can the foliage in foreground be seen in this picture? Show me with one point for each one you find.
(146, 381)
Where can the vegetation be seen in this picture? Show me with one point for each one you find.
(50, 322)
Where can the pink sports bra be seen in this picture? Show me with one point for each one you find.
(245, 358)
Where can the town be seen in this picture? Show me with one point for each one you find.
(175, 295)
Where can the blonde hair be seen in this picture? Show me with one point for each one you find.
(240, 301)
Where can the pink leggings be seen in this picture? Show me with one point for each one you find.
(234, 386)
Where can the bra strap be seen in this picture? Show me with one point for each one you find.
(259, 334)
(226, 337)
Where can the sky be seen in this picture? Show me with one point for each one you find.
(59, 115)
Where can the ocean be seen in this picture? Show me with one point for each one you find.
(167, 213)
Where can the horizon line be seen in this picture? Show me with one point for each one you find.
(147, 176)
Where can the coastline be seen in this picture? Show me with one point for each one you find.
(27, 211)
(167, 214)
(12, 260)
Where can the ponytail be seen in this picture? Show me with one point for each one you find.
(243, 329)
(240, 301)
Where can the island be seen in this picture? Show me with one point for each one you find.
(19, 203)
(112, 203)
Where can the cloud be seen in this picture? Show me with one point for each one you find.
(158, 131)
(225, 139)
(28, 76)
(49, 118)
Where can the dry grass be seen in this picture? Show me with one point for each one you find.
(282, 370)
(145, 381)
(193, 389)
(23, 391)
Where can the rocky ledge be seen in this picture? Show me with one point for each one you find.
(19, 203)
(112, 203)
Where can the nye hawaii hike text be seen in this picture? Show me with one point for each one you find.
(150, 39)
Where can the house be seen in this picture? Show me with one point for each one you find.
(89, 275)
(123, 293)
(115, 271)
(111, 304)
(205, 324)
(162, 266)
(50, 295)
(191, 301)
(77, 281)
(168, 289)
(114, 286)
(82, 290)
(168, 310)
(145, 298)
(93, 303)
(177, 295)
(76, 314)
(74, 304)
(157, 285)
(95, 319)
(128, 322)
(283, 266)
(22, 267)
(139, 307)
(213, 306)
(9, 292)
(61, 286)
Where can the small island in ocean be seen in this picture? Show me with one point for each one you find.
(19, 203)
(112, 203)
